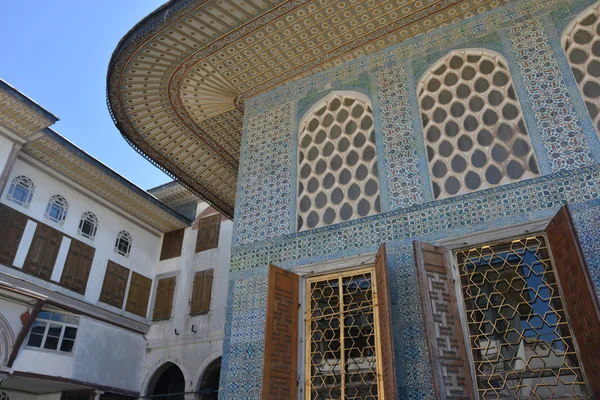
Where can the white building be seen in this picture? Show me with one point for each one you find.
(106, 290)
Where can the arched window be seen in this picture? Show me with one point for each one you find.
(581, 42)
(473, 125)
(88, 225)
(123, 243)
(21, 191)
(337, 163)
(57, 209)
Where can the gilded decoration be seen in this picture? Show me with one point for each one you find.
(178, 81)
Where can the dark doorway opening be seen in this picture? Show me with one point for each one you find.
(167, 383)
(209, 383)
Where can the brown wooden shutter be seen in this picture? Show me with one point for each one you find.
(77, 266)
(201, 292)
(12, 226)
(384, 324)
(43, 251)
(447, 349)
(578, 293)
(172, 244)
(281, 336)
(115, 283)
(139, 292)
(163, 304)
(208, 233)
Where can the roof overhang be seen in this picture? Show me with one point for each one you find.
(178, 80)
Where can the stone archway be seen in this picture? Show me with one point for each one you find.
(208, 385)
(7, 340)
(167, 383)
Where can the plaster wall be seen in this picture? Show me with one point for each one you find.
(6, 146)
(107, 355)
(526, 33)
(13, 395)
(191, 351)
(145, 243)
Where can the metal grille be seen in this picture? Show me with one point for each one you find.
(521, 341)
(342, 337)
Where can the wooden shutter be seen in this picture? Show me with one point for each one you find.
(77, 266)
(139, 292)
(12, 226)
(384, 324)
(172, 244)
(164, 299)
(201, 292)
(447, 348)
(114, 285)
(208, 233)
(43, 251)
(281, 336)
(578, 293)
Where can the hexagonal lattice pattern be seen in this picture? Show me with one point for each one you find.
(581, 41)
(473, 125)
(337, 163)
(520, 338)
(341, 337)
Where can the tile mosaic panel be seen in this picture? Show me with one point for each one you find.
(266, 177)
(558, 122)
(266, 186)
(404, 183)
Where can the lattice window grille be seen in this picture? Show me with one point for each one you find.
(123, 243)
(337, 163)
(88, 225)
(21, 191)
(57, 209)
(581, 42)
(473, 124)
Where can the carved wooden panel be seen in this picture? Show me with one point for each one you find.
(450, 363)
(12, 226)
(385, 327)
(578, 294)
(281, 336)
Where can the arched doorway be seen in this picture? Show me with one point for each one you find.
(209, 383)
(167, 383)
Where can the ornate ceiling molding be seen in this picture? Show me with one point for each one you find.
(177, 82)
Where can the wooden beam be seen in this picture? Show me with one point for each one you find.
(24, 330)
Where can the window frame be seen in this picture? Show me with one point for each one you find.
(496, 235)
(347, 265)
(301, 131)
(48, 321)
(18, 182)
(57, 200)
(122, 236)
(91, 218)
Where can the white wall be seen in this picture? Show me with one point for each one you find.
(108, 355)
(144, 251)
(192, 352)
(6, 146)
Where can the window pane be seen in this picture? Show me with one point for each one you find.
(44, 315)
(57, 317)
(38, 327)
(67, 345)
(20, 193)
(55, 330)
(35, 340)
(51, 343)
(70, 333)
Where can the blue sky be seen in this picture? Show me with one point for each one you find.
(57, 53)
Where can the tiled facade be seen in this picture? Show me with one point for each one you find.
(567, 148)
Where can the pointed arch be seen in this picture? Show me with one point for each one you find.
(338, 178)
(581, 42)
(473, 126)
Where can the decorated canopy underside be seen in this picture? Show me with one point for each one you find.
(177, 82)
